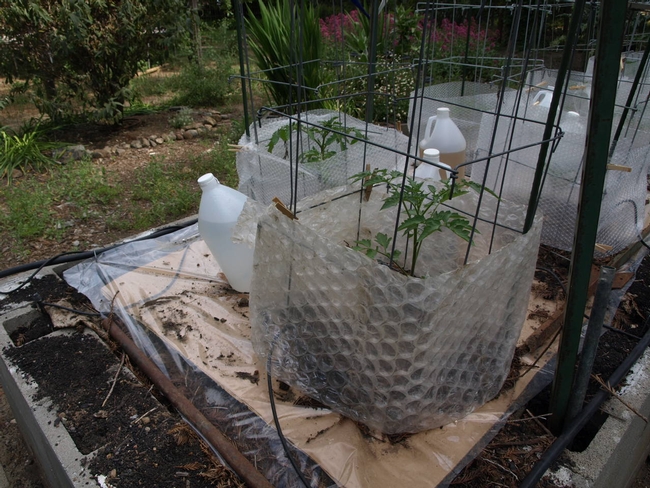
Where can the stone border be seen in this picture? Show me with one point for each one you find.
(207, 123)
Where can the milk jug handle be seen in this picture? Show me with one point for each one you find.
(427, 132)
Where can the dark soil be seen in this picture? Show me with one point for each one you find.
(140, 441)
(517, 447)
(47, 288)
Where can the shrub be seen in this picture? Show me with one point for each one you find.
(182, 118)
(198, 86)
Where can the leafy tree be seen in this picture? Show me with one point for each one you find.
(86, 51)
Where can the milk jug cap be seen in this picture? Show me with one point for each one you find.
(432, 154)
(208, 180)
(442, 111)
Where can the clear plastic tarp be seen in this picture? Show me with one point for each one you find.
(395, 352)
(264, 175)
(180, 311)
(513, 139)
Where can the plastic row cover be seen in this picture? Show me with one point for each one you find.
(398, 353)
(518, 141)
(621, 215)
(264, 175)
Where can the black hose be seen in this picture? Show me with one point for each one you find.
(576, 424)
(276, 421)
(77, 256)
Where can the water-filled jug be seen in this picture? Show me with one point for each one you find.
(443, 134)
(218, 213)
(427, 171)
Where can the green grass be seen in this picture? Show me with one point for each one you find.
(28, 211)
(49, 205)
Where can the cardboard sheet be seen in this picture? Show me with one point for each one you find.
(174, 287)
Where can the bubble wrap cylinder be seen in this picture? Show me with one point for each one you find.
(264, 175)
(397, 353)
(621, 214)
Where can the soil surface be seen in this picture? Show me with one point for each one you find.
(102, 405)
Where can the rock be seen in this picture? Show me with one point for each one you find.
(100, 153)
(16, 173)
(126, 145)
(223, 117)
(70, 153)
(159, 140)
(152, 144)
(76, 243)
(136, 144)
(191, 134)
(209, 121)
(145, 142)
(153, 138)
(120, 152)
(179, 135)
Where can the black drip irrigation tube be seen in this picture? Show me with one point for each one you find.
(78, 256)
(581, 419)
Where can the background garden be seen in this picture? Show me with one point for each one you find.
(104, 73)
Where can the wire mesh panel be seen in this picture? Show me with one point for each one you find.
(351, 96)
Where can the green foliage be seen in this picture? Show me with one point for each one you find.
(83, 53)
(420, 203)
(322, 139)
(182, 118)
(198, 86)
(393, 84)
(286, 42)
(25, 150)
(381, 248)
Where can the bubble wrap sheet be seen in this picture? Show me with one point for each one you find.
(621, 215)
(264, 175)
(397, 353)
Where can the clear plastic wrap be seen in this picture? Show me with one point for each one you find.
(395, 352)
(264, 175)
(196, 329)
(517, 139)
(621, 214)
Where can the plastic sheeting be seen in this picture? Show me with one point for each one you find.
(395, 352)
(264, 175)
(183, 314)
(521, 124)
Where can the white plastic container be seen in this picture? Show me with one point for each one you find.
(218, 213)
(443, 134)
(427, 171)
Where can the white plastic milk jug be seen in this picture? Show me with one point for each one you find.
(443, 134)
(218, 213)
(427, 171)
